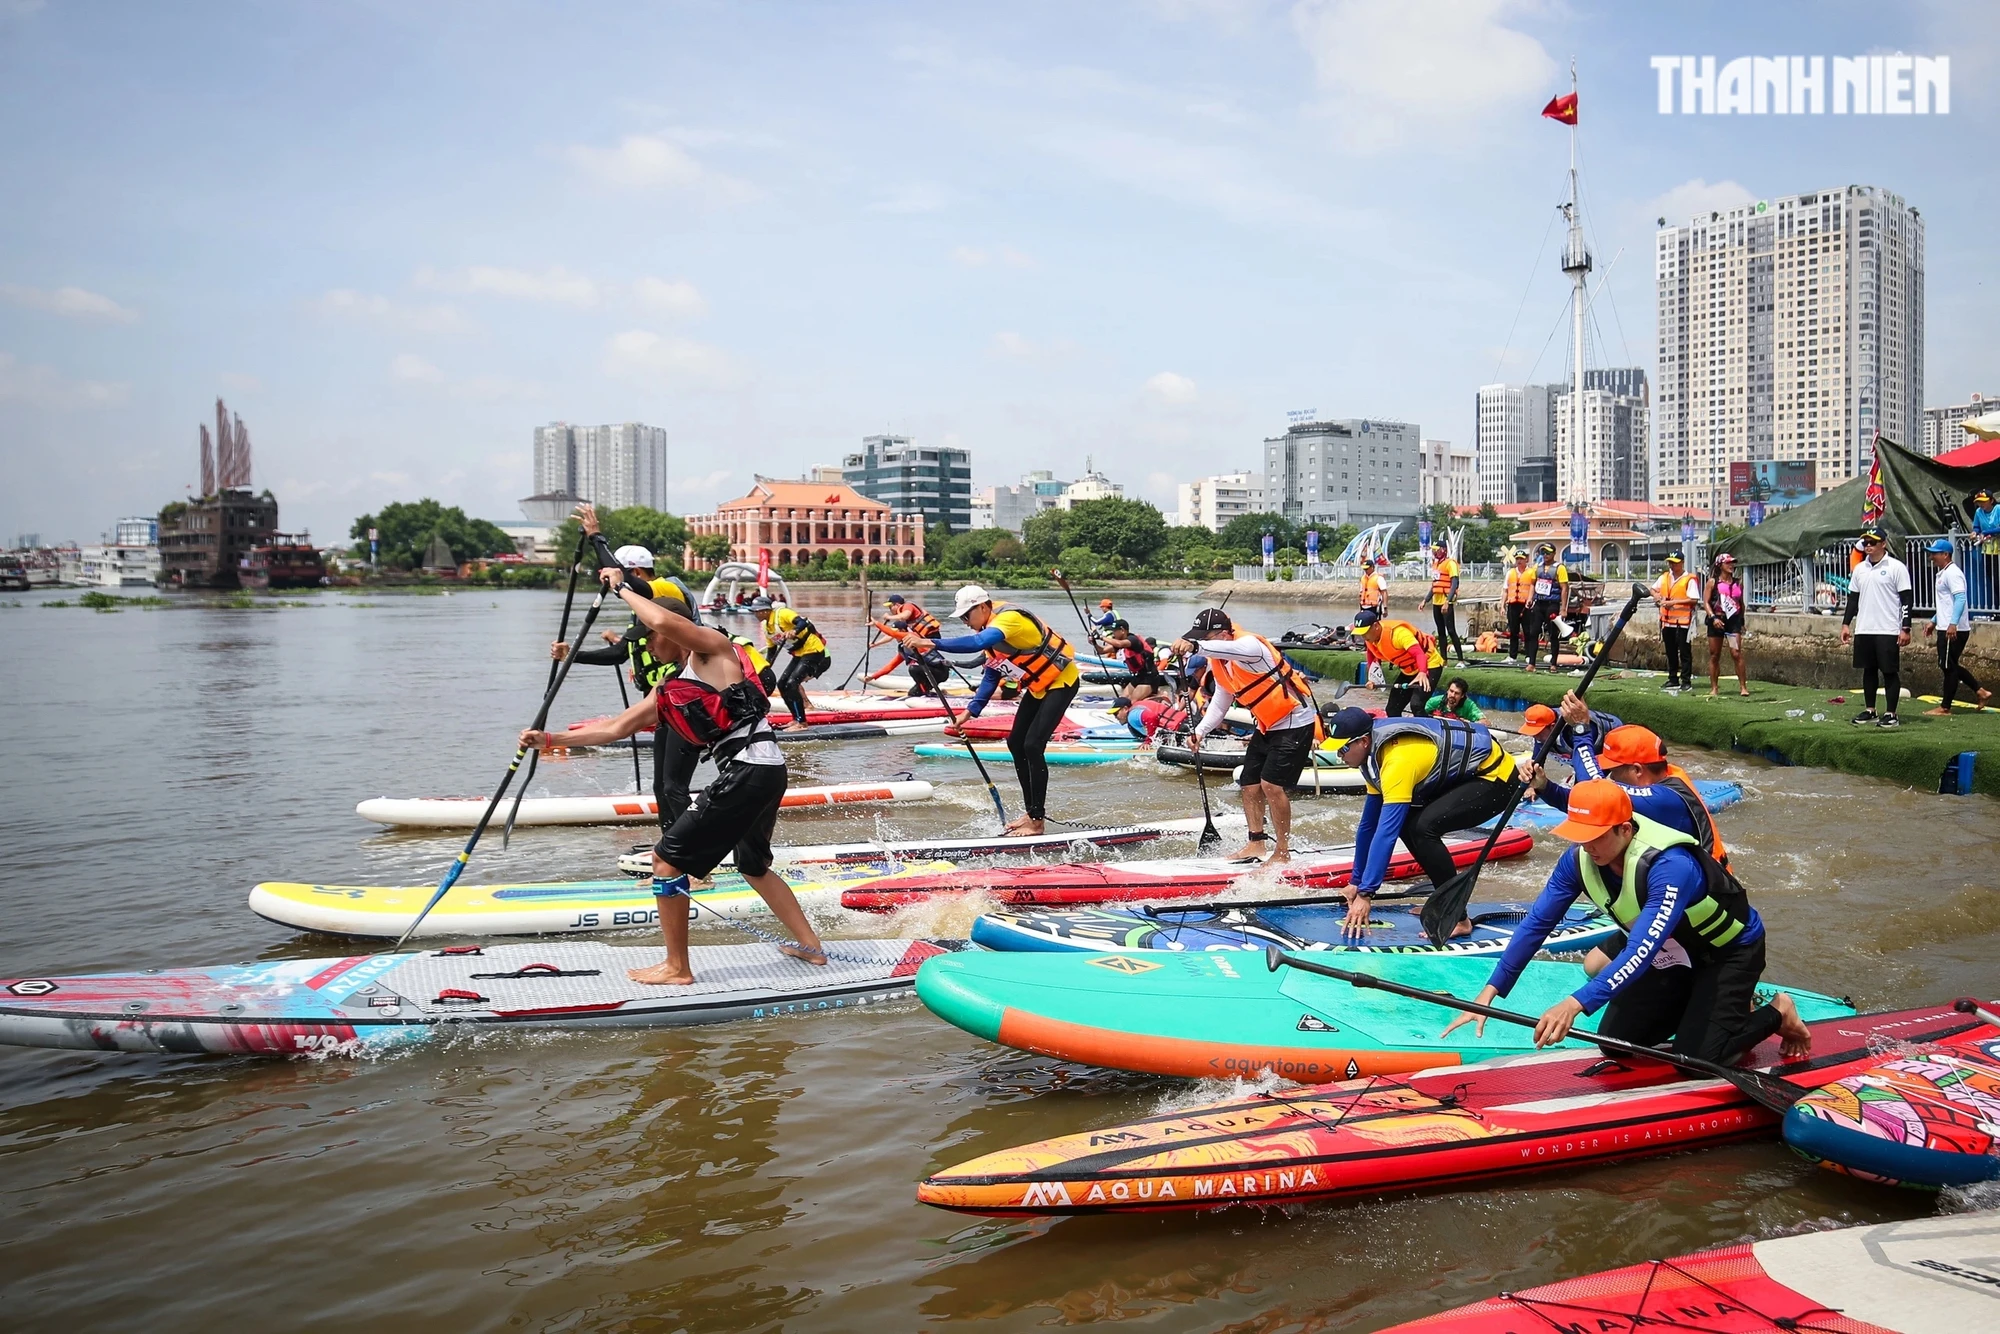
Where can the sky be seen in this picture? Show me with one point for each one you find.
(396, 238)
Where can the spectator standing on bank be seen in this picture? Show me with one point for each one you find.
(1983, 563)
(1951, 622)
(1677, 593)
(1725, 624)
(1520, 597)
(1550, 605)
(1877, 621)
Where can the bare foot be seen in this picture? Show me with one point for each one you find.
(1464, 927)
(1984, 695)
(1796, 1037)
(804, 954)
(1939, 712)
(795, 727)
(1279, 858)
(1248, 852)
(1744, 694)
(661, 975)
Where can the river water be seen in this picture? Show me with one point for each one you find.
(738, 1177)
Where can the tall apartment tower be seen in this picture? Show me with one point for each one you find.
(1789, 329)
(1514, 426)
(1344, 471)
(611, 466)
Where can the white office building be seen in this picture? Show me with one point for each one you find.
(1613, 461)
(1014, 505)
(611, 466)
(1789, 329)
(1514, 427)
(1353, 470)
(1944, 428)
(1448, 474)
(1211, 502)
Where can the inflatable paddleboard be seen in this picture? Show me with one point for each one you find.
(628, 808)
(1926, 1276)
(1066, 883)
(1299, 927)
(859, 731)
(363, 1003)
(1928, 1120)
(1058, 752)
(1454, 1126)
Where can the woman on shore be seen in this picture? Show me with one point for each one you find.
(1725, 624)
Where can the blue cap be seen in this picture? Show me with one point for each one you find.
(1350, 723)
(1942, 544)
(1366, 617)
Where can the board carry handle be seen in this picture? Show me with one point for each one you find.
(460, 995)
(528, 970)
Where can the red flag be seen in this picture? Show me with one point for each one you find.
(763, 567)
(1562, 108)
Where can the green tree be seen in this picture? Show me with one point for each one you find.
(836, 562)
(970, 551)
(1077, 561)
(1115, 526)
(1244, 534)
(661, 533)
(1042, 535)
(1008, 550)
(407, 529)
(710, 546)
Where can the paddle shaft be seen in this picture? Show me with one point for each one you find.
(1773, 1093)
(1089, 633)
(1210, 835)
(625, 698)
(458, 864)
(1447, 903)
(970, 749)
(562, 632)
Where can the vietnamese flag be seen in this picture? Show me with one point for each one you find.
(1562, 108)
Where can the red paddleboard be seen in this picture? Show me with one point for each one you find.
(1166, 878)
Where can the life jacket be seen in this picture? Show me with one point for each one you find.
(1151, 715)
(647, 670)
(1041, 666)
(1139, 656)
(1465, 751)
(919, 621)
(1548, 582)
(1520, 584)
(1374, 592)
(1487, 642)
(1442, 574)
(722, 720)
(1272, 695)
(1422, 657)
(1666, 586)
(1709, 924)
(1709, 838)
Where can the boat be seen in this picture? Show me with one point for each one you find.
(1922, 1276)
(366, 1003)
(625, 808)
(282, 560)
(736, 582)
(1061, 884)
(1448, 1126)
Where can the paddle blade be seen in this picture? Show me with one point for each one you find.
(1446, 906)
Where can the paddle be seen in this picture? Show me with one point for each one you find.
(952, 714)
(457, 867)
(1446, 905)
(1972, 1007)
(562, 632)
(865, 650)
(1089, 633)
(1776, 1094)
(1210, 835)
(625, 699)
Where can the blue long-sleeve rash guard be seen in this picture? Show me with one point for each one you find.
(978, 642)
(1661, 805)
(1375, 841)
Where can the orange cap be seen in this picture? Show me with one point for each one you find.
(1594, 807)
(1631, 745)
(1538, 719)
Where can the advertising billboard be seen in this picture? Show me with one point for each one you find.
(1776, 482)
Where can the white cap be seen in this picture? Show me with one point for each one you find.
(969, 597)
(633, 558)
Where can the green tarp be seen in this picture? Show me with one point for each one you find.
(1916, 488)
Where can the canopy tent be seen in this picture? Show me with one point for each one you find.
(1924, 496)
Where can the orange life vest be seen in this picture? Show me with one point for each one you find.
(1520, 584)
(1423, 657)
(1271, 696)
(916, 619)
(1374, 592)
(1669, 587)
(1683, 786)
(1442, 574)
(1042, 665)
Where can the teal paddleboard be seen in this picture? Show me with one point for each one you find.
(1060, 752)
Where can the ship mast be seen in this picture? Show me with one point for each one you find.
(1573, 486)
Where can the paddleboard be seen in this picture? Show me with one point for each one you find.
(1300, 927)
(364, 1003)
(1058, 752)
(626, 808)
(1065, 883)
(1928, 1120)
(1716, 794)
(1213, 758)
(860, 731)
(1451, 1126)
(1924, 1276)
(385, 911)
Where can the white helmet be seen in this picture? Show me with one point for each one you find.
(969, 597)
(633, 557)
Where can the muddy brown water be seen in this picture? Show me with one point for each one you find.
(740, 1177)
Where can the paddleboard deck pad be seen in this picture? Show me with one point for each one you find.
(364, 1003)
(1927, 1119)
(1451, 1127)
(627, 808)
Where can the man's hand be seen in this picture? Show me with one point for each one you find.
(586, 514)
(531, 738)
(1424, 683)
(1555, 1022)
(610, 636)
(1534, 775)
(1846, 634)
(1181, 648)
(1486, 996)
(951, 729)
(1357, 915)
(1930, 627)
(1194, 740)
(1574, 711)
(559, 650)
(1903, 639)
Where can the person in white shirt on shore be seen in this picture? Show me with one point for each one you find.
(1878, 622)
(1951, 622)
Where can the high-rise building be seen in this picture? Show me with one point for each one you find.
(1448, 474)
(1789, 329)
(1013, 506)
(1211, 502)
(1351, 470)
(1943, 430)
(1514, 426)
(610, 466)
(1612, 463)
(933, 480)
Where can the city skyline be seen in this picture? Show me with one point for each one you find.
(1143, 232)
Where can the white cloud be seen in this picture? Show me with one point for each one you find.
(1222, 178)
(1391, 72)
(1691, 199)
(345, 303)
(556, 284)
(409, 368)
(975, 258)
(910, 199)
(655, 162)
(1171, 389)
(671, 296)
(44, 387)
(640, 354)
(70, 302)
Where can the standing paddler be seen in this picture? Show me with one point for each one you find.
(713, 702)
(926, 666)
(786, 629)
(1017, 644)
(1407, 655)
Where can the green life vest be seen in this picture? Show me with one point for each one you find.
(647, 670)
(1711, 922)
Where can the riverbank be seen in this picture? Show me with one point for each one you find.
(1796, 725)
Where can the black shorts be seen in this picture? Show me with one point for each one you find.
(737, 812)
(1881, 652)
(1721, 626)
(1153, 679)
(1277, 757)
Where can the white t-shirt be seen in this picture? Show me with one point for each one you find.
(1950, 598)
(1881, 585)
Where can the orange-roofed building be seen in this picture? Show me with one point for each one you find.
(1624, 534)
(796, 521)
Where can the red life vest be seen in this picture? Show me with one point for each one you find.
(704, 716)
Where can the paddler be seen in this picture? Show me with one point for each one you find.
(714, 703)
(1426, 777)
(1407, 651)
(1141, 661)
(1636, 759)
(1694, 947)
(926, 665)
(1540, 717)
(1249, 670)
(1107, 616)
(1550, 604)
(786, 630)
(1018, 644)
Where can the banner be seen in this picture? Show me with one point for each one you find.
(1270, 550)
(1424, 534)
(1579, 532)
(1779, 482)
(763, 568)
(1312, 546)
(1756, 512)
